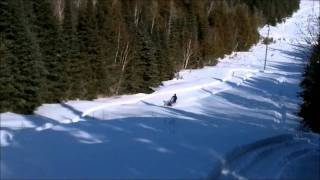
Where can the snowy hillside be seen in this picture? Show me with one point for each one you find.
(231, 121)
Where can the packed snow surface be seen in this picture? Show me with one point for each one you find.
(231, 121)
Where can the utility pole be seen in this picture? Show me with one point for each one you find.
(267, 43)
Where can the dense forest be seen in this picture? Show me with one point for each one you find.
(311, 87)
(56, 50)
(274, 11)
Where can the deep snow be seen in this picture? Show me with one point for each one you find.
(232, 121)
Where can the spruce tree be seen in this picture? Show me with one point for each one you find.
(143, 69)
(166, 67)
(311, 87)
(8, 93)
(71, 54)
(147, 54)
(50, 42)
(175, 44)
(23, 57)
(106, 48)
(87, 29)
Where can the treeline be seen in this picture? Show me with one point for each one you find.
(274, 10)
(311, 91)
(82, 49)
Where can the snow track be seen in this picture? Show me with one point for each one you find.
(237, 76)
(253, 161)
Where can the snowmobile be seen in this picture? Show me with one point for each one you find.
(171, 102)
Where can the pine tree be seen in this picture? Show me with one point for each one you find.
(243, 25)
(8, 93)
(143, 70)
(311, 88)
(175, 44)
(23, 58)
(6, 77)
(71, 54)
(87, 29)
(106, 42)
(202, 32)
(146, 53)
(166, 67)
(49, 38)
(274, 11)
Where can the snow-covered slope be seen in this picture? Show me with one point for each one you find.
(232, 121)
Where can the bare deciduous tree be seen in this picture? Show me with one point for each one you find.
(187, 54)
(58, 8)
(118, 45)
(210, 7)
(154, 12)
(137, 12)
(124, 60)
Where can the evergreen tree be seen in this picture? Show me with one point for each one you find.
(87, 29)
(244, 29)
(107, 40)
(49, 38)
(165, 66)
(146, 51)
(175, 44)
(6, 78)
(274, 10)
(8, 94)
(311, 88)
(71, 54)
(143, 69)
(22, 55)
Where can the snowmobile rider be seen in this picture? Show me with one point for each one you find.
(173, 100)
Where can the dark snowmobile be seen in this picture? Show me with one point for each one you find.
(172, 101)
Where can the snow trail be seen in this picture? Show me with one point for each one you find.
(254, 159)
(230, 76)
